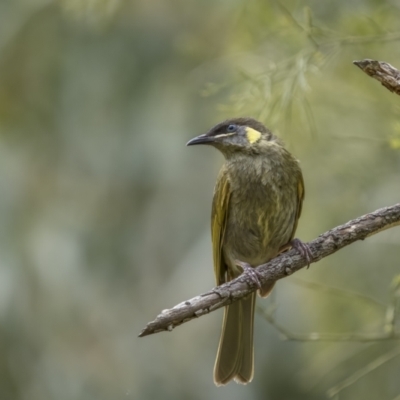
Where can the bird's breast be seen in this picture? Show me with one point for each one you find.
(262, 211)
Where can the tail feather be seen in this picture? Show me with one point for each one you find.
(235, 357)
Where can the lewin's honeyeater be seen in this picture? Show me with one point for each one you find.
(257, 203)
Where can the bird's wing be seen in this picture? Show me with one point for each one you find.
(219, 217)
(300, 198)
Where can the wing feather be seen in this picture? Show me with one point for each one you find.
(300, 198)
(219, 217)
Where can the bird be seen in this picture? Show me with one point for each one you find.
(256, 206)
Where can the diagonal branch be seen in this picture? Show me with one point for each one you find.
(278, 268)
(385, 73)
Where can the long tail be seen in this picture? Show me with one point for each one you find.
(235, 357)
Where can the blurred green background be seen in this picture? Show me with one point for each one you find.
(105, 213)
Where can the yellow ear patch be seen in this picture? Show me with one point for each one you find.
(252, 135)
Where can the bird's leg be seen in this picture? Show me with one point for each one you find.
(303, 249)
(250, 272)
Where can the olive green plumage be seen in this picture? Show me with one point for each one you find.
(257, 203)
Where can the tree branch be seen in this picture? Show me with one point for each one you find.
(386, 74)
(278, 268)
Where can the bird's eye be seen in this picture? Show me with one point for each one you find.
(232, 128)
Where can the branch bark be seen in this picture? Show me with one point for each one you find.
(278, 268)
(385, 73)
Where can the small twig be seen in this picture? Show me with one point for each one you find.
(325, 337)
(338, 291)
(385, 73)
(294, 21)
(393, 308)
(364, 371)
(317, 374)
(278, 268)
(389, 329)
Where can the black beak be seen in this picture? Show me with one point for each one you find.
(202, 139)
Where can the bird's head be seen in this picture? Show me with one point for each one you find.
(245, 135)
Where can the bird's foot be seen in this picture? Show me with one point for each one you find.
(250, 272)
(303, 249)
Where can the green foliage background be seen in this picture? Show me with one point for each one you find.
(104, 213)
